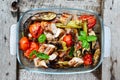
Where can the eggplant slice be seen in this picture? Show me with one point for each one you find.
(46, 16)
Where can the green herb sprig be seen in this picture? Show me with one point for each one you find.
(85, 39)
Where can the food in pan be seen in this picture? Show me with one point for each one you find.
(64, 40)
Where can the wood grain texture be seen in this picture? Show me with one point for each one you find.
(111, 65)
(7, 62)
(26, 75)
(94, 5)
(81, 4)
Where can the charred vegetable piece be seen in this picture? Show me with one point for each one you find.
(91, 20)
(85, 27)
(35, 29)
(73, 24)
(42, 38)
(96, 56)
(65, 18)
(47, 16)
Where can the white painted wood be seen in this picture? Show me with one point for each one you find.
(26, 75)
(7, 61)
(111, 65)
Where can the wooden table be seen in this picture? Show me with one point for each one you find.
(107, 9)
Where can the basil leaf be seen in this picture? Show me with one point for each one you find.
(34, 52)
(83, 33)
(87, 46)
(71, 51)
(42, 38)
(84, 43)
(81, 38)
(91, 38)
(42, 56)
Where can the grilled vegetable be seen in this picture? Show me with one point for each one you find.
(24, 43)
(68, 39)
(87, 59)
(35, 29)
(45, 16)
(96, 56)
(60, 40)
(91, 20)
(33, 46)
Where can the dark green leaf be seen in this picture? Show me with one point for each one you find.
(42, 56)
(91, 38)
(42, 38)
(83, 33)
(71, 51)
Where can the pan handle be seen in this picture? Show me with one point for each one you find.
(107, 41)
(13, 39)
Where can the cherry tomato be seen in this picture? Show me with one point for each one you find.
(35, 29)
(87, 59)
(68, 40)
(33, 46)
(24, 43)
(90, 19)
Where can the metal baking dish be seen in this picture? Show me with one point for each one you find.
(99, 29)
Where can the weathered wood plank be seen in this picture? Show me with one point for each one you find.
(83, 4)
(7, 62)
(26, 75)
(111, 17)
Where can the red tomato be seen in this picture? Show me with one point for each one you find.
(87, 59)
(90, 19)
(35, 29)
(68, 40)
(24, 43)
(33, 46)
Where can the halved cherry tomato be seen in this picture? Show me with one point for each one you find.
(87, 59)
(68, 40)
(35, 29)
(24, 43)
(33, 46)
(90, 19)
